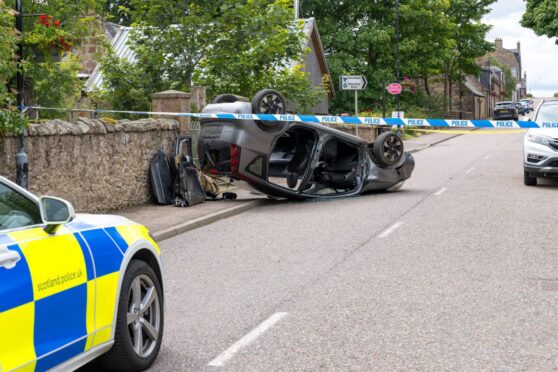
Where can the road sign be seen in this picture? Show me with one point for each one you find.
(395, 89)
(356, 82)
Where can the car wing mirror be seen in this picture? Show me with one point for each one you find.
(55, 212)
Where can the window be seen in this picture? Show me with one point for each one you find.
(548, 112)
(17, 210)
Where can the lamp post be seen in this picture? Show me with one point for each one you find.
(22, 163)
(397, 61)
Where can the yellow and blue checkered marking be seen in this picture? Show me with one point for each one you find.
(60, 298)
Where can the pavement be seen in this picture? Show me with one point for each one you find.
(164, 222)
(458, 271)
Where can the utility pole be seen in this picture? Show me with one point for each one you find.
(22, 163)
(297, 8)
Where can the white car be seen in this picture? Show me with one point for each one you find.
(529, 102)
(540, 146)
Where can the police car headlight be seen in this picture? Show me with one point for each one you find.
(538, 139)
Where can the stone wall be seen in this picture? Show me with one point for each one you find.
(97, 166)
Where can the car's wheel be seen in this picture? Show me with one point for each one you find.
(528, 179)
(388, 149)
(229, 98)
(139, 322)
(269, 102)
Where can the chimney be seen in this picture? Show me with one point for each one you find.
(519, 46)
(499, 43)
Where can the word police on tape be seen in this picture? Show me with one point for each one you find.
(353, 120)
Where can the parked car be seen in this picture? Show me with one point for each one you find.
(540, 146)
(530, 103)
(522, 108)
(505, 111)
(75, 288)
(296, 160)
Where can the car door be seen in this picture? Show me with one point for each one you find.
(46, 307)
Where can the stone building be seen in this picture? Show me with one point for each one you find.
(476, 97)
(512, 59)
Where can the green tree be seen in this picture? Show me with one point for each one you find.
(7, 50)
(10, 120)
(437, 37)
(468, 42)
(556, 95)
(51, 83)
(542, 17)
(229, 46)
(118, 11)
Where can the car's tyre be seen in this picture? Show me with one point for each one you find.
(269, 102)
(139, 322)
(388, 149)
(229, 98)
(528, 179)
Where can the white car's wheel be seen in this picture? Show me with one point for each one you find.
(529, 180)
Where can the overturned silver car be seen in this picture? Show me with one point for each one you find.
(296, 160)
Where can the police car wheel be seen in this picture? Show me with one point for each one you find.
(388, 149)
(139, 325)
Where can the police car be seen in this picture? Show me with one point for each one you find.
(74, 289)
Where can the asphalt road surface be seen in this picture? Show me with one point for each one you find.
(457, 271)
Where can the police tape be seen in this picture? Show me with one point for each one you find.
(324, 119)
(472, 131)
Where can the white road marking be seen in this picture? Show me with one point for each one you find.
(393, 227)
(250, 337)
(470, 170)
(440, 192)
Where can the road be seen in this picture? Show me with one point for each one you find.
(458, 271)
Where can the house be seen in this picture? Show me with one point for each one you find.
(316, 66)
(512, 59)
(315, 63)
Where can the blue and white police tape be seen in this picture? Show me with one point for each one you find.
(351, 120)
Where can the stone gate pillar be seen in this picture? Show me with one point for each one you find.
(173, 101)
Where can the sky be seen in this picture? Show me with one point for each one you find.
(539, 53)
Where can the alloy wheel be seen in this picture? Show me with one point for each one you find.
(144, 315)
(393, 148)
(271, 104)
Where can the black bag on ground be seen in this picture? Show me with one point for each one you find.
(162, 180)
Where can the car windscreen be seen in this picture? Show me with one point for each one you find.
(548, 112)
(16, 210)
